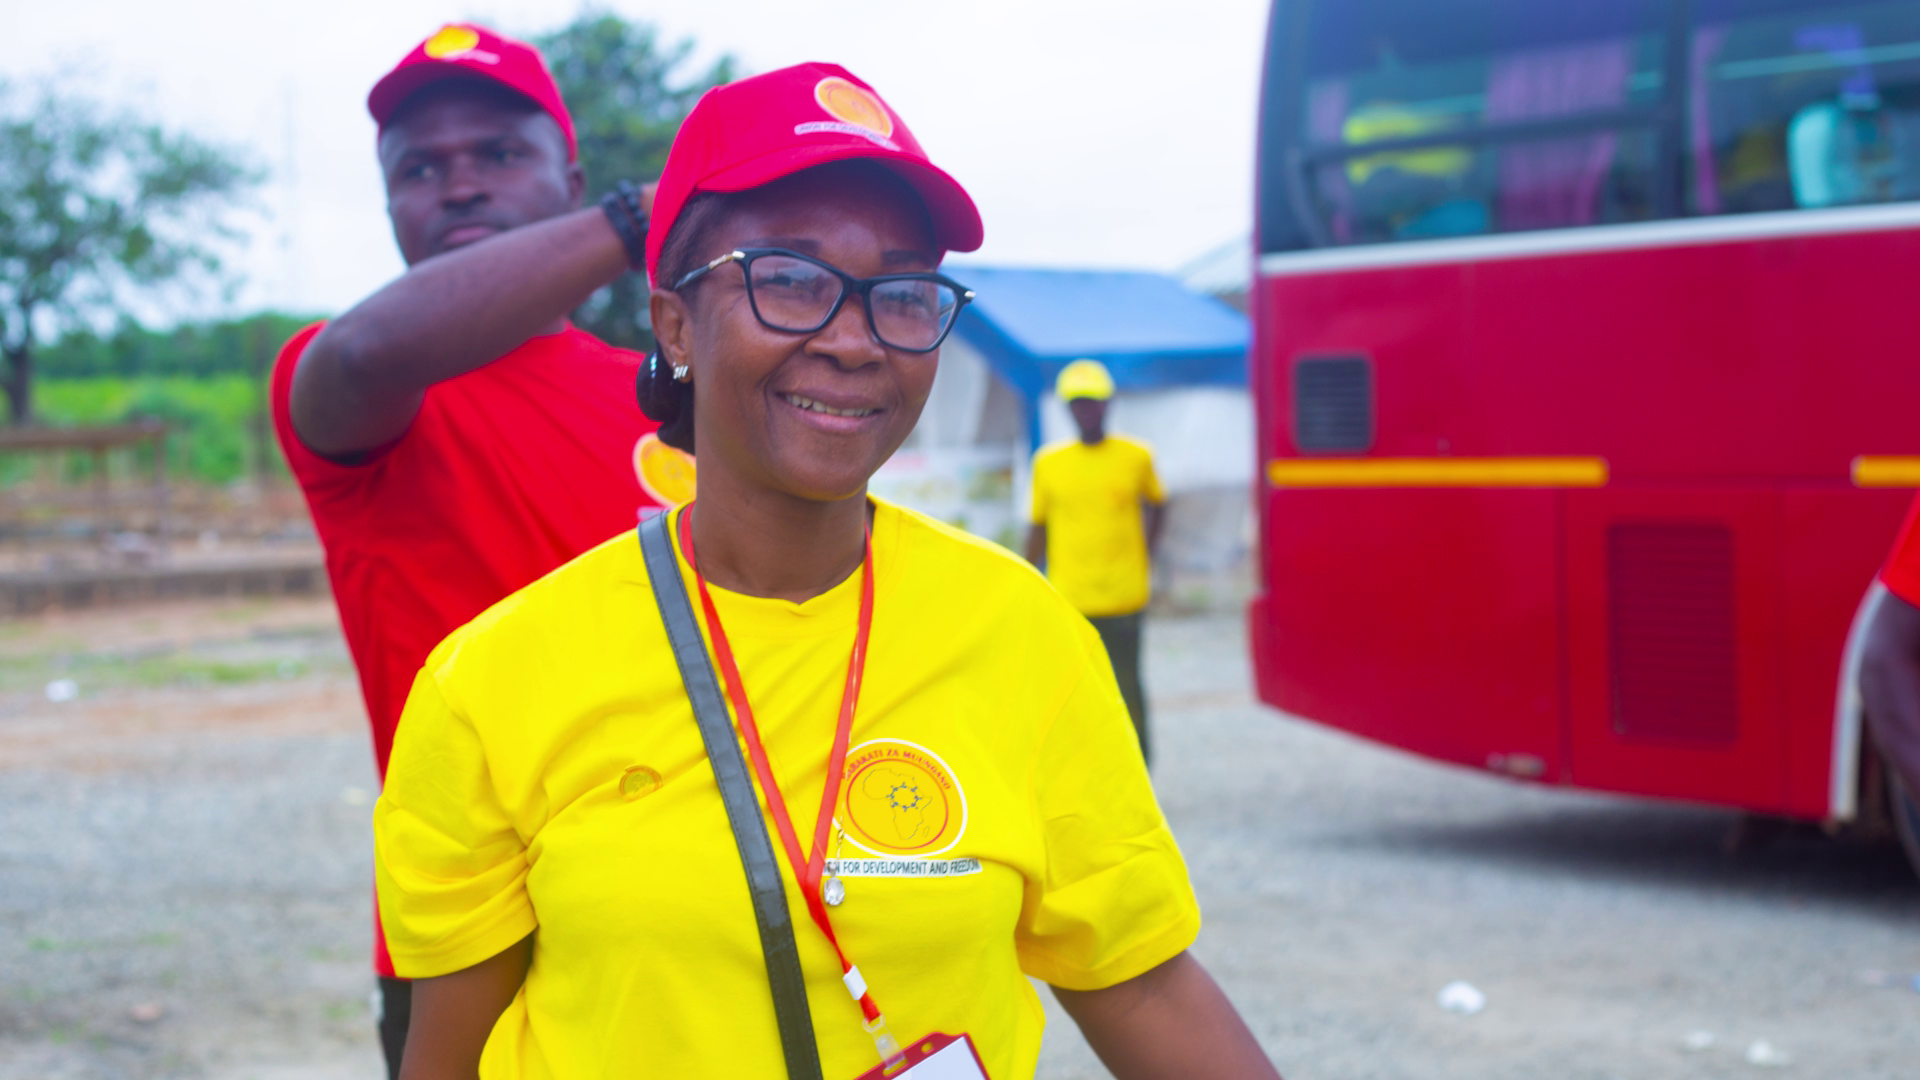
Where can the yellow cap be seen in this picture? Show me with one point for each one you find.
(1084, 379)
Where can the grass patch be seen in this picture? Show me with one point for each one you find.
(244, 612)
(104, 671)
(214, 436)
(73, 945)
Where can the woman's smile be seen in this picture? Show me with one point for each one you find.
(831, 412)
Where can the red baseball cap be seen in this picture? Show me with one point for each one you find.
(465, 49)
(757, 130)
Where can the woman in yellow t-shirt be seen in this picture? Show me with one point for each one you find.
(556, 866)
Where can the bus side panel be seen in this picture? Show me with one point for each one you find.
(1770, 360)
(1833, 540)
(1722, 373)
(1422, 619)
(1673, 644)
(1410, 323)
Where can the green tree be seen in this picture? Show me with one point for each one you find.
(93, 205)
(195, 349)
(622, 86)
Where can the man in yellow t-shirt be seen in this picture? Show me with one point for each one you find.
(1097, 515)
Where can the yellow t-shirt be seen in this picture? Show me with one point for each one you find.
(1089, 498)
(996, 820)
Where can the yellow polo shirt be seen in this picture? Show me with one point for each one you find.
(1089, 499)
(995, 822)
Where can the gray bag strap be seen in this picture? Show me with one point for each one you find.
(743, 807)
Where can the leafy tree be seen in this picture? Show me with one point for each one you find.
(197, 349)
(94, 204)
(627, 102)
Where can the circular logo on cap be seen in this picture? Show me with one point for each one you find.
(901, 799)
(451, 40)
(851, 104)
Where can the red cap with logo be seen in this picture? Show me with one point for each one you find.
(757, 130)
(462, 49)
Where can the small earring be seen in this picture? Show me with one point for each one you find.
(682, 373)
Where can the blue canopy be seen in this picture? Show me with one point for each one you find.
(1148, 329)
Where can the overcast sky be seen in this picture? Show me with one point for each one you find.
(1091, 134)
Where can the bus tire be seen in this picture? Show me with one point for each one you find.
(1906, 820)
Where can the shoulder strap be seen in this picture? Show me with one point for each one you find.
(736, 792)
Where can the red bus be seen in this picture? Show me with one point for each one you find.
(1585, 341)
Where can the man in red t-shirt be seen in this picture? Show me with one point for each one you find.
(1890, 665)
(456, 438)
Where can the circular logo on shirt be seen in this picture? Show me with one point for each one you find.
(899, 798)
(852, 105)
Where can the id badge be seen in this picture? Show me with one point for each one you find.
(936, 1057)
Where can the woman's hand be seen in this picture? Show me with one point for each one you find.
(1170, 1022)
(454, 1014)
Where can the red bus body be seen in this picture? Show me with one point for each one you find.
(1672, 622)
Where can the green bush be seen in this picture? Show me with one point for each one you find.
(199, 378)
(211, 419)
(216, 347)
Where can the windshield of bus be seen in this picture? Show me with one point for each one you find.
(1416, 119)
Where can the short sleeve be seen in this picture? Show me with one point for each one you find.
(451, 870)
(315, 473)
(1038, 516)
(1150, 488)
(1115, 900)
(1901, 575)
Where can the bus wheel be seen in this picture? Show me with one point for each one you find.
(1906, 820)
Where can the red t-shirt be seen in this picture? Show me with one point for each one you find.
(508, 472)
(1901, 575)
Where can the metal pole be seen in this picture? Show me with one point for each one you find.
(160, 487)
(101, 507)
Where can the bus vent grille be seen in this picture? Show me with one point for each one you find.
(1671, 611)
(1333, 405)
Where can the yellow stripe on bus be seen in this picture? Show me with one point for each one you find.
(1542, 472)
(1877, 471)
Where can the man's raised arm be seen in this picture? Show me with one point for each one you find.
(360, 382)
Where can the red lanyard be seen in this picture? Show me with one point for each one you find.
(808, 870)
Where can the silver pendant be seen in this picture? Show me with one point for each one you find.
(834, 892)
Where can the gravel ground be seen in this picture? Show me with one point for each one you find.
(187, 840)
(184, 874)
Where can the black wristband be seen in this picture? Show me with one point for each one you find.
(624, 212)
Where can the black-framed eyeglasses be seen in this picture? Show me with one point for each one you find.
(799, 294)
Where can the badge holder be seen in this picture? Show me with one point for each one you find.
(936, 1057)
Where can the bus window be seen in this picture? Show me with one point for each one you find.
(1803, 105)
(1422, 120)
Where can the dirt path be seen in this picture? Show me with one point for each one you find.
(190, 833)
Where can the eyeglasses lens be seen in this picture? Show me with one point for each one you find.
(791, 294)
(796, 295)
(912, 314)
